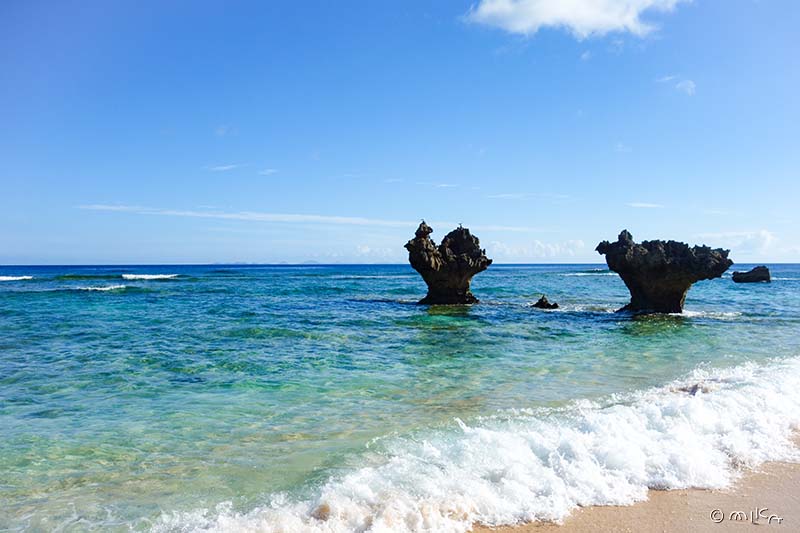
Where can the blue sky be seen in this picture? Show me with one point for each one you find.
(153, 132)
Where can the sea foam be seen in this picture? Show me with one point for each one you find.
(148, 276)
(540, 464)
(102, 289)
(15, 278)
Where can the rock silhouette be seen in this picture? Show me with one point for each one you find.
(448, 268)
(658, 273)
(759, 273)
(544, 303)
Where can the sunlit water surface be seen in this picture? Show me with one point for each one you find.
(126, 397)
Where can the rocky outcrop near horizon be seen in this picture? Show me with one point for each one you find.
(448, 268)
(659, 273)
(755, 275)
(544, 303)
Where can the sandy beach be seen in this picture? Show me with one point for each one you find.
(773, 488)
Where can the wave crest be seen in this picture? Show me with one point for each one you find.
(540, 464)
(148, 276)
(102, 289)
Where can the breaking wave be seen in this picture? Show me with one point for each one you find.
(101, 289)
(15, 278)
(540, 464)
(148, 276)
(581, 274)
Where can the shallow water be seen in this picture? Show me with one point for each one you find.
(227, 397)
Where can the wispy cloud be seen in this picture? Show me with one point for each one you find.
(223, 168)
(293, 218)
(268, 172)
(508, 196)
(685, 86)
(438, 185)
(582, 18)
(622, 148)
(253, 216)
(586, 56)
(526, 195)
(223, 130)
(644, 205)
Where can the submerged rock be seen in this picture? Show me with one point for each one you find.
(448, 268)
(759, 273)
(658, 274)
(544, 303)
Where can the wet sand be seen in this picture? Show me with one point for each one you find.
(773, 487)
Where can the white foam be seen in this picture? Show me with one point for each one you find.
(106, 288)
(584, 308)
(541, 464)
(148, 276)
(719, 315)
(15, 278)
(580, 274)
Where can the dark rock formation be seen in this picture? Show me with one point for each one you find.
(544, 303)
(658, 274)
(759, 273)
(448, 268)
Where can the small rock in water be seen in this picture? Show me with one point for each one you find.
(323, 512)
(694, 389)
(544, 303)
(759, 273)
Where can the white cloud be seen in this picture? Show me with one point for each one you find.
(644, 205)
(535, 250)
(583, 18)
(223, 168)
(586, 56)
(379, 252)
(268, 172)
(683, 85)
(743, 242)
(686, 86)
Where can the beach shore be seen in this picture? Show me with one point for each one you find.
(773, 488)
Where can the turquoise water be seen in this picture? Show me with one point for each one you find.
(222, 390)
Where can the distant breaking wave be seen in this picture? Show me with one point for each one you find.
(15, 278)
(540, 464)
(130, 277)
(580, 274)
(148, 276)
(102, 289)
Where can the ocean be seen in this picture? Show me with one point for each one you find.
(322, 398)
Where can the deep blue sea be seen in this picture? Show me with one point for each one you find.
(322, 398)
